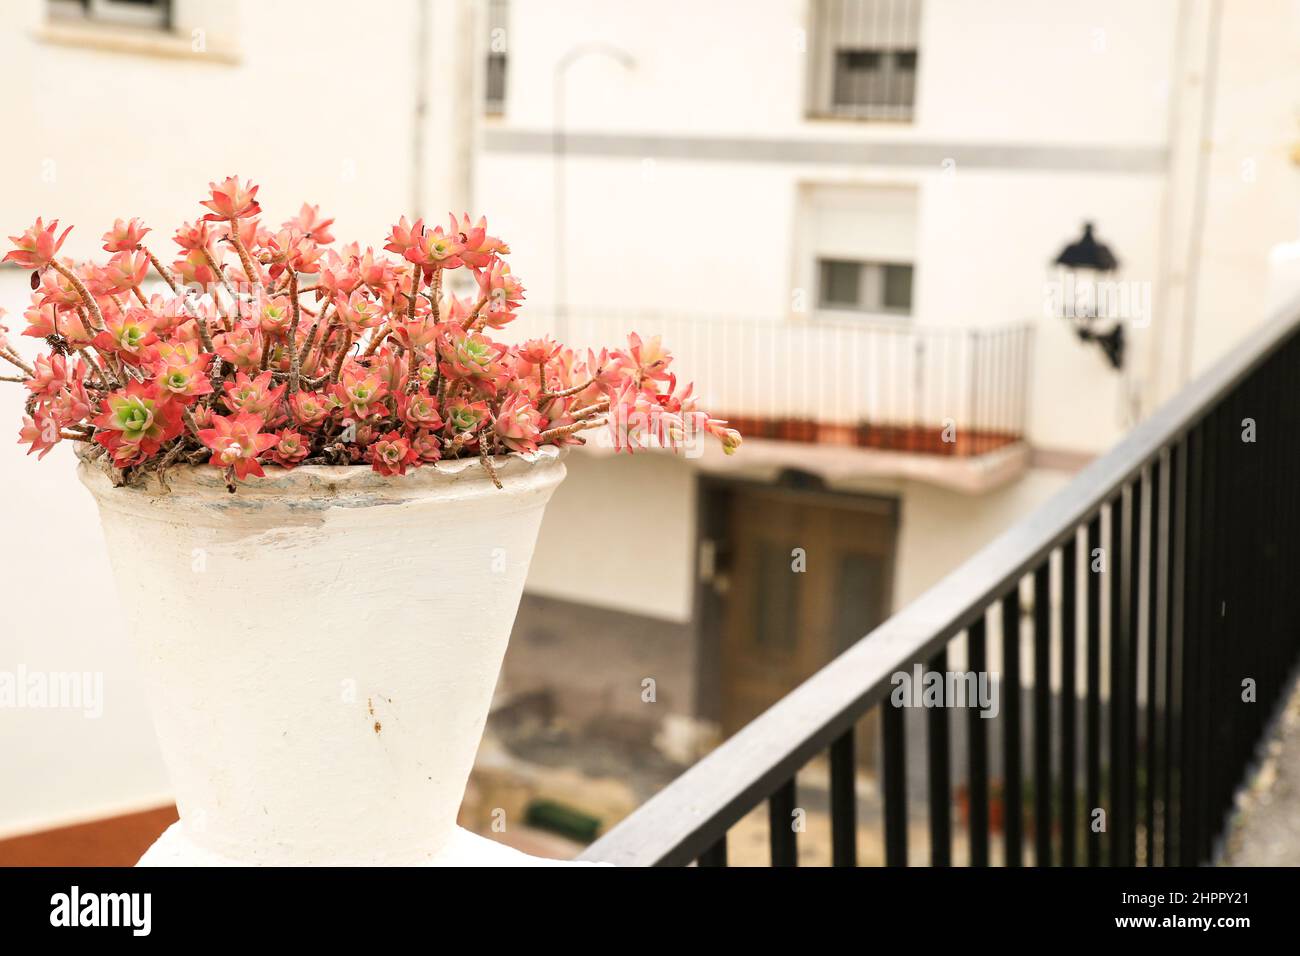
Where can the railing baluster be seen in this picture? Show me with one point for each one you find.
(1153, 591)
(1043, 714)
(1158, 653)
(1012, 804)
(1210, 679)
(844, 802)
(939, 774)
(715, 855)
(780, 825)
(1194, 632)
(1092, 715)
(895, 784)
(1174, 656)
(1227, 612)
(977, 744)
(1116, 698)
(1133, 683)
(1069, 700)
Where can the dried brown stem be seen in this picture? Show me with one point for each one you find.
(82, 291)
(566, 392)
(490, 468)
(343, 354)
(161, 270)
(13, 358)
(221, 274)
(244, 260)
(564, 431)
(589, 410)
(293, 332)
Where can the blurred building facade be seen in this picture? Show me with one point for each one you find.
(842, 213)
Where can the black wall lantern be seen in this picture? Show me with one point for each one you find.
(1082, 266)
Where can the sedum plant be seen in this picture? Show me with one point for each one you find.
(272, 346)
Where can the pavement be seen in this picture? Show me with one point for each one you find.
(1265, 830)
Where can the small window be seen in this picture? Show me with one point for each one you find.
(898, 288)
(494, 97)
(841, 283)
(862, 61)
(131, 13)
(865, 79)
(848, 284)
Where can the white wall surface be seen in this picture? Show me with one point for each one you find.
(620, 533)
(95, 135)
(999, 70)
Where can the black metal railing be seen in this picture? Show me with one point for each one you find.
(1151, 595)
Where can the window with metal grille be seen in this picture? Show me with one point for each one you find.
(494, 99)
(863, 58)
(133, 13)
(853, 285)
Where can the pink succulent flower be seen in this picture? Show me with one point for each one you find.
(41, 432)
(519, 424)
(419, 410)
(253, 396)
(359, 391)
(374, 271)
(392, 454)
(471, 357)
(427, 446)
(231, 200)
(502, 291)
(289, 450)
(195, 270)
(236, 442)
(184, 382)
(537, 351)
(125, 236)
(129, 336)
(124, 272)
(435, 249)
(386, 364)
(465, 416)
(274, 316)
(51, 377)
(403, 236)
(193, 236)
(42, 321)
(309, 409)
(136, 421)
(358, 312)
(478, 247)
(37, 246)
(241, 347)
(310, 224)
(57, 290)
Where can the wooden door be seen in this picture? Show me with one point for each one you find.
(809, 574)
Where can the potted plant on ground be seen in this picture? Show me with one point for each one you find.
(321, 479)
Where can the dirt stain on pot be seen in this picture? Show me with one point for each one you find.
(378, 726)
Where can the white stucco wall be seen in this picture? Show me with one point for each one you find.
(620, 533)
(96, 135)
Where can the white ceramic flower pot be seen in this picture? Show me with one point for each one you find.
(321, 649)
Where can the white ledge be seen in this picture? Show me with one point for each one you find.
(137, 41)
